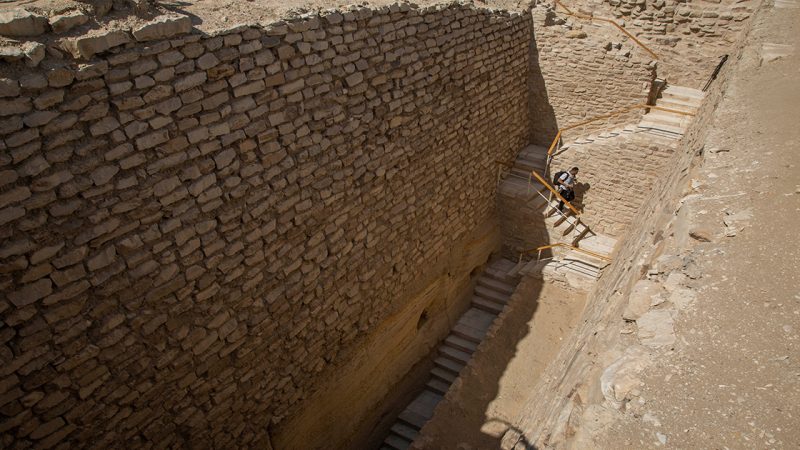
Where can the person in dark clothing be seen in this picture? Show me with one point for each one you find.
(566, 186)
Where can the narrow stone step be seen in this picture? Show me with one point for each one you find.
(579, 234)
(396, 442)
(460, 343)
(661, 127)
(468, 333)
(665, 117)
(476, 319)
(444, 375)
(448, 364)
(424, 404)
(491, 294)
(499, 275)
(577, 268)
(502, 264)
(404, 431)
(487, 305)
(586, 259)
(454, 354)
(496, 285)
(438, 386)
(412, 419)
(684, 91)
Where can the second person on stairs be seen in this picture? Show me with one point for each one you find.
(566, 186)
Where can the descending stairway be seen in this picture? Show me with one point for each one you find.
(492, 291)
(529, 211)
(574, 268)
(668, 124)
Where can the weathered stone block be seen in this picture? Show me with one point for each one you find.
(17, 22)
(89, 45)
(163, 27)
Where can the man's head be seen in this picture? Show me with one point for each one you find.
(573, 171)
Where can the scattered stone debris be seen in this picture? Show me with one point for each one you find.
(623, 375)
(702, 234)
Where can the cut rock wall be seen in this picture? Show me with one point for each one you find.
(575, 76)
(195, 230)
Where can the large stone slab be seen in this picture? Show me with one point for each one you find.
(89, 45)
(65, 22)
(163, 27)
(656, 328)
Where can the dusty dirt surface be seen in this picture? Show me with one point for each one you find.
(208, 15)
(491, 393)
(214, 15)
(732, 378)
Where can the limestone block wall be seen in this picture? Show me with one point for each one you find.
(194, 230)
(576, 76)
(689, 36)
(617, 174)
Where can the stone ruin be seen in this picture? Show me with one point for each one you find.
(206, 234)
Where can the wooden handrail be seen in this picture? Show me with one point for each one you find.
(612, 22)
(561, 244)
(609, 115)
(544, 183)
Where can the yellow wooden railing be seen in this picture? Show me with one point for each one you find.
(612, 22)
(561, 244)
(617, 112)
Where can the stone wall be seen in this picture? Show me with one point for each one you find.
(195, 230)
(689, 36)
(617, 173)
(577, 76)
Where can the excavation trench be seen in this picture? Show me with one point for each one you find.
(288, 235)
(494, 382)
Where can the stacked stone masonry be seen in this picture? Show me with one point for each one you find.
(576, 76)
(193, 230)
(617, 173)
(689, 36)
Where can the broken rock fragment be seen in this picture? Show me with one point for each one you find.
(19, 23)
(65, 22)
(32, 52)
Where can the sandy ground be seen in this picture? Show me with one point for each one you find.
(488, 399)
(733, 378)
(214, 14)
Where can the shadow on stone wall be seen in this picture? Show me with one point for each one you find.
(544, 125)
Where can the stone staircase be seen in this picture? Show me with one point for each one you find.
(493, 289)
(573, 268)
(528, 207)
(668, 124)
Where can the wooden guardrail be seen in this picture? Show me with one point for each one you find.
(554, 191)
(561, 244)
(617, 112)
